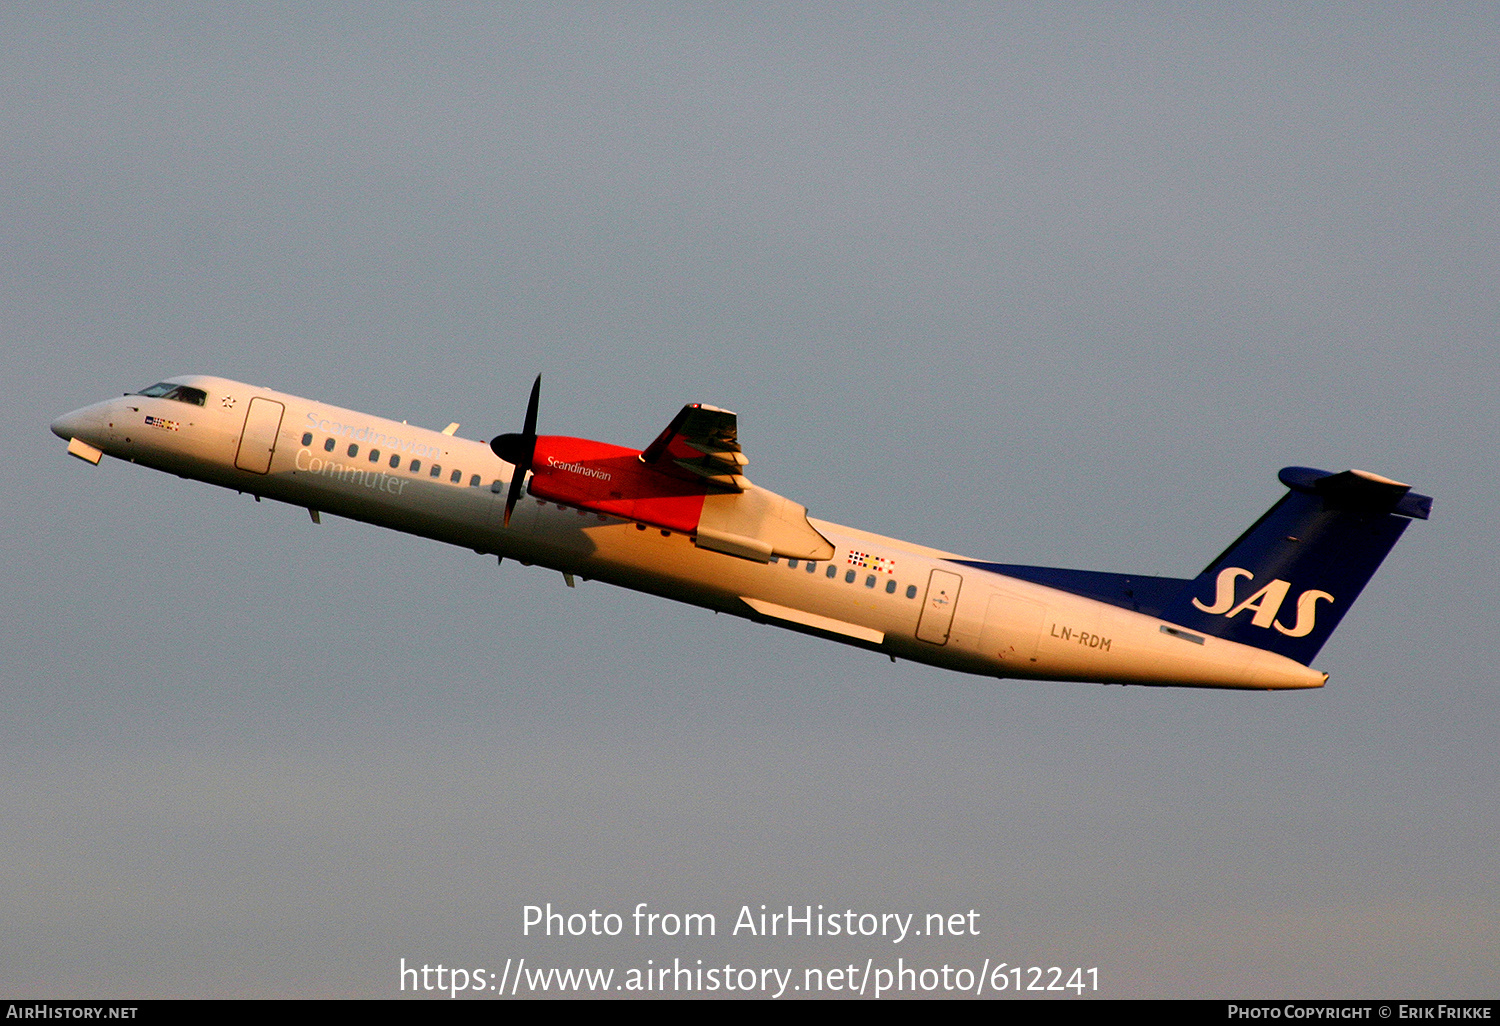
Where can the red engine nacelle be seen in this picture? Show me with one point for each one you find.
(611, 479)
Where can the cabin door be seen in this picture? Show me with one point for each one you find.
(258, 440)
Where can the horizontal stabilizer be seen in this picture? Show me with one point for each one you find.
(1359, 489)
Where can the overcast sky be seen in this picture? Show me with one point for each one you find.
(1062, 286)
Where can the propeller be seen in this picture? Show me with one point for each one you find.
(519, 450)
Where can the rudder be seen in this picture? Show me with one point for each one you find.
(1285, 584)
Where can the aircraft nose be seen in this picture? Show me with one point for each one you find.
(86, 423)
(69, 425)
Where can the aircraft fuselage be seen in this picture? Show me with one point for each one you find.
(898, 598)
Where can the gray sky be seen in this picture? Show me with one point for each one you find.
(1061, 287)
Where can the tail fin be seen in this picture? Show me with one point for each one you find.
(1288, 581)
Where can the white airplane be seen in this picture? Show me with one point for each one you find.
(679, 519)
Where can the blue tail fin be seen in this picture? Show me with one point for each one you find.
(1289, 580)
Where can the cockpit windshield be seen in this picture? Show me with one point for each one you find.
(181, 393)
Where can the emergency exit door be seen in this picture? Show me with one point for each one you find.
(938, 606)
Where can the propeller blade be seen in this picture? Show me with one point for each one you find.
(536, 394)
(516, 484)
(519, 450)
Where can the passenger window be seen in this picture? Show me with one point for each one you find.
(436, 471)
(792, 563)
(911, 591)
(395, 461)
(776, 559)
(416, 465)
(307, 438)
(812, 567)
(353, 450)
(890, 587)
(870, 581)
(833, 571)
(849, 577)
(329, 443)
(374, 455)
(456, 476)
(474, 483)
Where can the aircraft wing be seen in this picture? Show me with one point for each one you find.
(701, 443)
(689, 480)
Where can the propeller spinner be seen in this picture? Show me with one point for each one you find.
(519, 450)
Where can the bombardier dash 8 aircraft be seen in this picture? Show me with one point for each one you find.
(679, 519)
